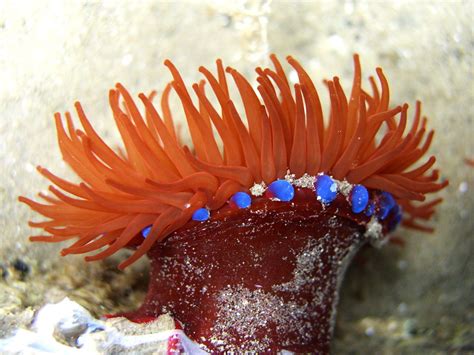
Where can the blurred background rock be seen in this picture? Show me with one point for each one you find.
(414, 299)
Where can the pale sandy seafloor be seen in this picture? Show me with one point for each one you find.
(411, 300)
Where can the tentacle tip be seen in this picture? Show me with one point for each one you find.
(123, 265)
(112, 94)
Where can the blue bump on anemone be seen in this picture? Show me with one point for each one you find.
(386, 203)
(146, 231)
(241, 199)
(359, 198)
(326, 188)
(397, 213)
(282, 190)
(201, 215)
(369, 211)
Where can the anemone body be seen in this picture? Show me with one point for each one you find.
(157, 184)
(260, 279)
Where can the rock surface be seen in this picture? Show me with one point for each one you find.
(68, 328)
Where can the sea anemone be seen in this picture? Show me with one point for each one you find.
(250, 230)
